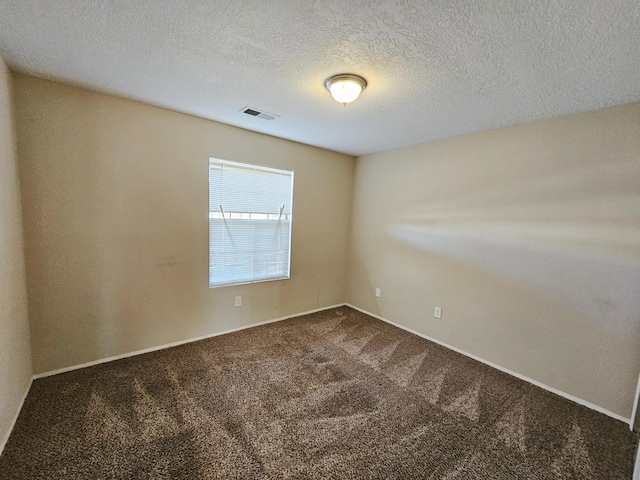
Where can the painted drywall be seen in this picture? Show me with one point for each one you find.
(527, 237)
(115, 198)
(15, 350)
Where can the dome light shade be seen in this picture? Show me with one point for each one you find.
(346, 87)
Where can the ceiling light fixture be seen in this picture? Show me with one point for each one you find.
(346, 87)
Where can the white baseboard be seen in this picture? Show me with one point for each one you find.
(175, 344)
(503, 369)
(634, 416)
(636, 475)
(450, 347)
(636, 471)
(636, 401)
(5, 439)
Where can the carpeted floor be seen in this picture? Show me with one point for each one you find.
(331, 395)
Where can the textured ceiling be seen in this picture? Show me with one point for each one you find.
(436, 68)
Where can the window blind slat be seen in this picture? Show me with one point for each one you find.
(229, 184)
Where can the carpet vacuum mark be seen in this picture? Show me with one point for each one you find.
(330, 395)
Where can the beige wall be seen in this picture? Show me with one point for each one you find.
(527, 237)
(15, 352)
(115, 197)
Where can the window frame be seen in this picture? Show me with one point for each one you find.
(232, 216)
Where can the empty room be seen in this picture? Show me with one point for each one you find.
(319, 239)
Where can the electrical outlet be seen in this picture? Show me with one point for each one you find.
(238, 301)
(437, 312)
(378, 292)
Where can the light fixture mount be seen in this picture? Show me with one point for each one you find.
(345, 87)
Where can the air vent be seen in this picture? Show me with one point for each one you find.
(257, 113)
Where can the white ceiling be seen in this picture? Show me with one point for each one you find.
(436, 68)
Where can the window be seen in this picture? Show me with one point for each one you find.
(249, 223)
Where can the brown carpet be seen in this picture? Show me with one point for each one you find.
(331, 395)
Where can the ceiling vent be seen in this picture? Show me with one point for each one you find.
(257, 113)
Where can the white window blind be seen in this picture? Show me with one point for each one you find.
(249, 223)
